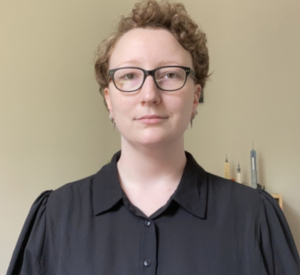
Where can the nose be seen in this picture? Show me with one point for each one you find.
(149, 93)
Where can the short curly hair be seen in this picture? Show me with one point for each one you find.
(164, 15)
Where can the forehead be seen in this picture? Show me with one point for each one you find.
(149, 48)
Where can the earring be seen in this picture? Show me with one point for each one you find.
(192, 118)
(112, 121)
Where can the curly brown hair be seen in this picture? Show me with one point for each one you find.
(152, 14)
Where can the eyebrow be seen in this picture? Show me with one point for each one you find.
(136, 62)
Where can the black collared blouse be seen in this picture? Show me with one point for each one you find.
(209, 226)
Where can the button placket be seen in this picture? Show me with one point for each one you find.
(148, 247)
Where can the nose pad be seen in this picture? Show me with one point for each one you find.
(149, 93)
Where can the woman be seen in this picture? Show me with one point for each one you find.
(153, 209)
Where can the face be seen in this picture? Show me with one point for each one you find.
(150, 116)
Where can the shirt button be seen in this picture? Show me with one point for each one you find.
(147, 263)
(147, 223)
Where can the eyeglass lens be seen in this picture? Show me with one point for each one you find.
(166, 78)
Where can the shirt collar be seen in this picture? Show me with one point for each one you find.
(191, 193)
(107, 190)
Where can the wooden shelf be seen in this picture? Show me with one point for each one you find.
(278, 198)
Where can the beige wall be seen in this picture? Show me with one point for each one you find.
(54, 127)
(253, 95)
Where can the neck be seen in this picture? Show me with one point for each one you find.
(148, 166)
(149, 176)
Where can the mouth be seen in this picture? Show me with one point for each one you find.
(151, 119)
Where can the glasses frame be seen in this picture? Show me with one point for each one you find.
(188, 71)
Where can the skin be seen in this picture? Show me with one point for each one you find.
(151, 121)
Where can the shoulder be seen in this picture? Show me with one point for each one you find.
(254, 216)
(229, 190)
(70, 196)
(76, 188)
(239, 200)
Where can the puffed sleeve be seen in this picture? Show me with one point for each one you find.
(29, 248)
(278, 247)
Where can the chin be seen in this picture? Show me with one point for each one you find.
(154, 138)
(152, 142)
(160, 141)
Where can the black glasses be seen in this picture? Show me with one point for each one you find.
(167, 78)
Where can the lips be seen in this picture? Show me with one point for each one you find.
(151, 119)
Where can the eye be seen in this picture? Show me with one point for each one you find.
(171, 75)
(167, 76)
(129, 76)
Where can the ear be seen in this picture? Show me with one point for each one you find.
(108, 100)
(197, 93)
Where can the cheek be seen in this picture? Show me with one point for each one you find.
(181, 113)
(185, 105)
(122, 105)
